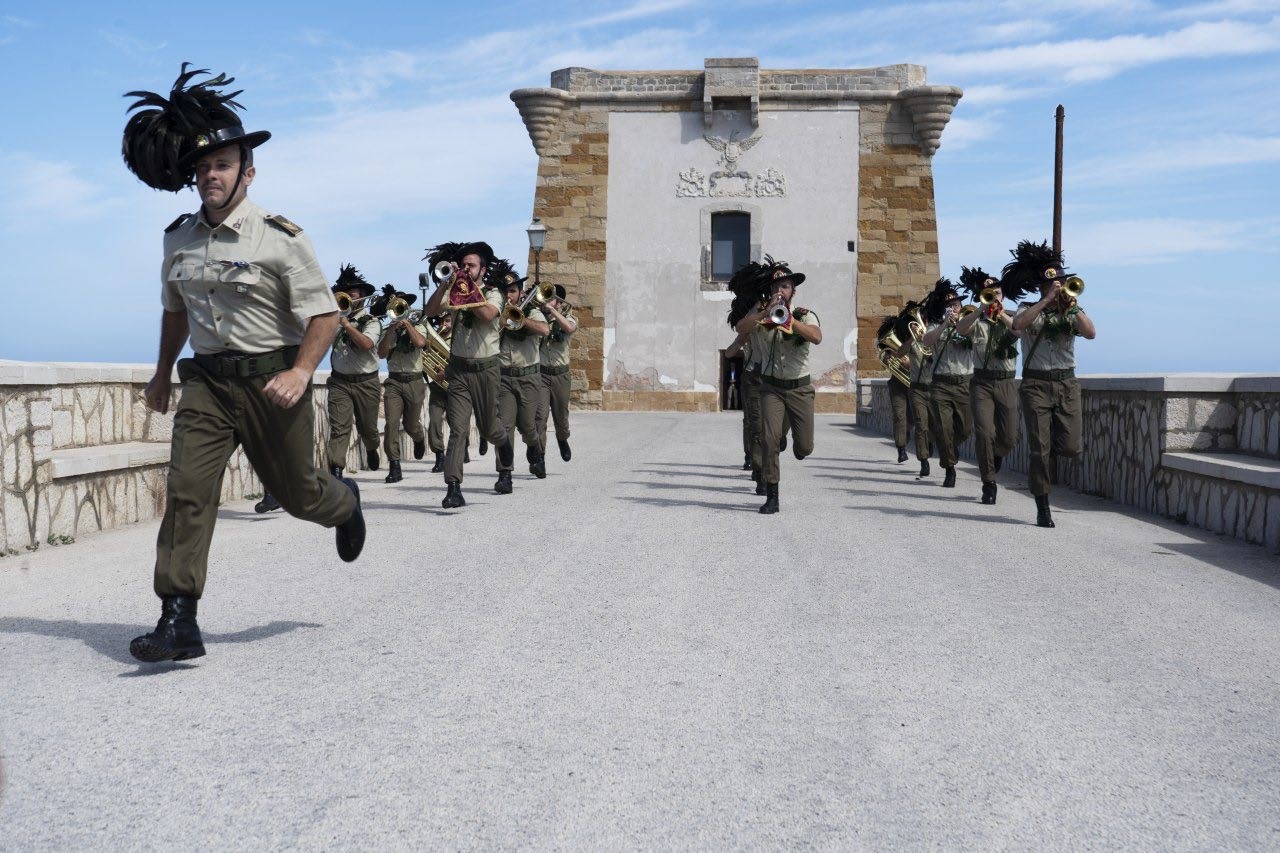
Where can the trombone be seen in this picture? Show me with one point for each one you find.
(515, 316)
(348, 306)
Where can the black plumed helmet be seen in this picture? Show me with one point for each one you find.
(974, 280)
(349, 277)
(163, 139)
(501, 274)
(934, 306)
(1032, 265)
(750, 286)
(442, 252)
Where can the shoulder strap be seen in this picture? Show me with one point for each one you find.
(285, 225)
(177, 223)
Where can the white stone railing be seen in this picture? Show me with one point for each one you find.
(1203, 449)
(81, 452)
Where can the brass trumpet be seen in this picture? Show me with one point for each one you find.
(780, 315)
(987, 296)
(966, 311)
(444, 272)
(397, 309)
(1073, 286)
(347, 305)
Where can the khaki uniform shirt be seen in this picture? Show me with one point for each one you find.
(782, 356)
(989, 338)
(245, 285)
(556, 353)
(402, 359)
(521, 349)
(472, 338)
(346, 357)
(952, 355)
(921, 365)
(1053, 352)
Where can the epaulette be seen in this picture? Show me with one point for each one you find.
(175, 224)
(285, 225)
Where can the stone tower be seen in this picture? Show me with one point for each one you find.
(655, 185)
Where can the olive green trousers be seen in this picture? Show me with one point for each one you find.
(216, 415)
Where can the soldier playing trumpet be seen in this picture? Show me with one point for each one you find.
(353, 380)
(554, 366)
(993, 395)
(521, 389)
(952, 367)
(403, 392)
(1050, 392)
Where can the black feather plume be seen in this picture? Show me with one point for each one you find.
(1023, 275)
(163, 129)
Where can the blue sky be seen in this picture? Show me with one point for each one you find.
(393, 131)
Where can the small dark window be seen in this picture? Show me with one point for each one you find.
(730, 243)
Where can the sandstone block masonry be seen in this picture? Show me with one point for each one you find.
(901, 119)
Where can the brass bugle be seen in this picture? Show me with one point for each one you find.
(346, 305)
(1073, 286)
(987, 296)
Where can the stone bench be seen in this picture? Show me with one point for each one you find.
(103, 458)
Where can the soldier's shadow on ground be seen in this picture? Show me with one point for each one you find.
(672, 502)
(111, 640)
(652, 484)
(930, 513)
(678, 473)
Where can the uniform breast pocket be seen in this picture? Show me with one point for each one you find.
(183, 273)
(241, 280)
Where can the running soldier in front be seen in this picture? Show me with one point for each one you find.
(1050, 391)
(782, 335)
(245, 287)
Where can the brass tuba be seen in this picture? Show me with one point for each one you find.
(886, 347)
(435, 355)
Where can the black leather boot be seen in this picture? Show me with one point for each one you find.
(989, 493)
(771, 500)
(267, 504)
(949, 478)
(999, 462)
(902, 454)
(419, 448)
(746, 462)
(439, 466)
(176, 637)
(484, 446)
(336, 471)
(1044, 518)
(453, 496)
(503, 486)
(538, 467)
(394, 475)
(565, 453)
(349, 535)
(506, 454)
(373, 460)
(924, 468)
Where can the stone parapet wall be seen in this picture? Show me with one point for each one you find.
(52, 420)
(688, 84)
(1132, 422)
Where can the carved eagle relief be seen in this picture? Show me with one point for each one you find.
(731, 149)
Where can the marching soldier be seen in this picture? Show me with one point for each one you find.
(993, 396)
(438, 399)
(952, 368)
(404, 390)
(1050, 392)
(921, 361)
(554, 365)
(899, 388)
(750, 399)
(353, 379)
(521, 389)
(473, 356)
(786, 391)
(245, 287)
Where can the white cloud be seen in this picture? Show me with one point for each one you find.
(35, 193)
(1083, 60)
(1180, 156)
(1014, 30)
(963, 132)
(1223, 8)
(997, 93)
(644, 9)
